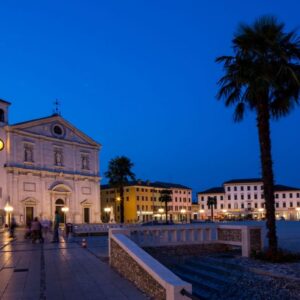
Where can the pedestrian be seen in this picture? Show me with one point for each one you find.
(45, 227)
(28, 230)
(36, 229)
(56, 227)
(12, 227)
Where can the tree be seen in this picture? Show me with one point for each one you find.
(263, 76)
(119, 173)
(212, 203)
(165, 197)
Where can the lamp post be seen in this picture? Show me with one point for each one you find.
(107, 211)
(8, 209)
(65, 209)
(118, 215)
(201, 211)
(161, 211)
(183, 212)
(261, 210)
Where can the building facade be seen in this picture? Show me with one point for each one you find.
(47, 164)
(141, 202)
(244, 197)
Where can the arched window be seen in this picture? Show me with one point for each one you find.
(1, 115)
(59, 202)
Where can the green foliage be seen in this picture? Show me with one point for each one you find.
(165, 196)
(119, 171)
(211, 202)
(265, 66)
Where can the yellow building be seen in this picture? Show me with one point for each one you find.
(141, 202)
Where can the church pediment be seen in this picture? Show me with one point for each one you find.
(29, 202)
(55, 127)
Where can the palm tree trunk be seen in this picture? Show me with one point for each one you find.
(263, 124)
(212, 212)
(121, 204)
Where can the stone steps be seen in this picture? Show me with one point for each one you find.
(209, 276)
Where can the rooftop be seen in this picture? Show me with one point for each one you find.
(3, 101)
(34, 120)
(282, 188)
(244, 180)
(277, 188)
(157, 184)
(214, 190)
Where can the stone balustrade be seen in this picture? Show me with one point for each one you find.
(173, 235)
(89, 229)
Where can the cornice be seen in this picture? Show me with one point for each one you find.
(15, 168)
(52, 139)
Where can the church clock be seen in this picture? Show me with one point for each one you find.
(1, 145)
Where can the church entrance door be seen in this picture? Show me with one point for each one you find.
(29, 214)
(59, 204)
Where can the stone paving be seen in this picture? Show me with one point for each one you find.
(59, 271)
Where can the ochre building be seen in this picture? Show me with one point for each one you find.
(141, 202)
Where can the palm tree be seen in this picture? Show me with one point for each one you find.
(119, 173)
(212, 203)
(165, 197)
(263, 75)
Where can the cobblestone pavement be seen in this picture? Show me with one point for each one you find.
(59, 271)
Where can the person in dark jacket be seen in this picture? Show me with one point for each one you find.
(36, 229)
(56, 227)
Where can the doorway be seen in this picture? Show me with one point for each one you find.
(86, 215)
(29, 213)
(59, 204)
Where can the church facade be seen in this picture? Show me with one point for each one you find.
(46, 165)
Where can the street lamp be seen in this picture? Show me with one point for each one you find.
(65, 209)
(8, 209)
(261, 210)
(161, 211)
(182, 211)
(107, 210)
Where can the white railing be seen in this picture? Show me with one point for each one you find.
(98, 228)
(147, 236)
(189, 234)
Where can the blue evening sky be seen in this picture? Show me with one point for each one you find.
(140, 78)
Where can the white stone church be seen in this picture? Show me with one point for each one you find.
(47, 164)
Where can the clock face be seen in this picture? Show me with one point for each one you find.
(1, 145)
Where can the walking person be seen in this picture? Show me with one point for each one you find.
(45, 227)
(12, 227)
(36, 229)
(56, 227)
